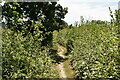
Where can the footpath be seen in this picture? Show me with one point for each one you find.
(64, 68)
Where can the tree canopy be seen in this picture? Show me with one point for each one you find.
(48, 14)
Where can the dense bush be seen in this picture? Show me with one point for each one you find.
(93, 50)
(23, 56)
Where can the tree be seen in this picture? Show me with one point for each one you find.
(49, 14)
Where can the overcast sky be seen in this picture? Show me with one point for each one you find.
(89, 9)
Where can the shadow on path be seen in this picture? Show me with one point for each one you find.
(63, 66)
(58, 59)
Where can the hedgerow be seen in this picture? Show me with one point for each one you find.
(24, 57)
(93, 50)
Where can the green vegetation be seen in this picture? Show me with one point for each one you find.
(24, 57)
(27, 39)
(29, 47)
(0, 35)
(92, 48)
(0, 52)
(50, 14)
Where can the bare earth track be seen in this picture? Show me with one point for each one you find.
(65, 70)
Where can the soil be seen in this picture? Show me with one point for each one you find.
(64, 68)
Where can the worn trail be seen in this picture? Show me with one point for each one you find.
(65, 70)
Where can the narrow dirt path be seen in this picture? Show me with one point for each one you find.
(65, 70)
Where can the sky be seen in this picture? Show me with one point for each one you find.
(89, 9)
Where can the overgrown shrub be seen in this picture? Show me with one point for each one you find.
(94, 50)
(23, 56)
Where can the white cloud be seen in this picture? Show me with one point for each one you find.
(88, 1)
(89, 10)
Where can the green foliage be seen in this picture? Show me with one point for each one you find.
(0, 52)
(27, 38)
(23, 56)
(93, 50)
(50, 14)
(115, 17)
